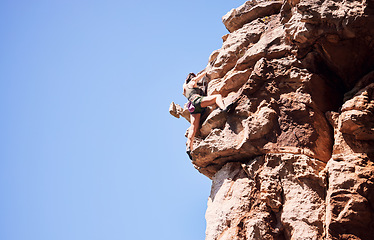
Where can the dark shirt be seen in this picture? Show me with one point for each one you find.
(192, 93)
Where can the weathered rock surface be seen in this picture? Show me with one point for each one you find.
(257, 198)
(294, 157)
(248, 12)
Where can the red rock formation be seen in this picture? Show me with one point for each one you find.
(293, 159)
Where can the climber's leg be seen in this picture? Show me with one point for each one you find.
(211, 100)
(195, 122)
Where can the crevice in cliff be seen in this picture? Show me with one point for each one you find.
(242, 229)
(326, 179)
(315, 63)
(278, 229)
(345, 67)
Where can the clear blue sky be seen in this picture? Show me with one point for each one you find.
(88, 148)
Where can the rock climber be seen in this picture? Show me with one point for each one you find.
(197, 102)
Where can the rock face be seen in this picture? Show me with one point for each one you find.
(294, 157)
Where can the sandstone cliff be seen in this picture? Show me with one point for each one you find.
(293, 158)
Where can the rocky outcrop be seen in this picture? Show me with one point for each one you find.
(350, 194)
(293, 158)
(275, 196)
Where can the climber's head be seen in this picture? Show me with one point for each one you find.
(190, 76)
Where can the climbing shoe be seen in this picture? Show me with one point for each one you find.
(228, 107)
(189, 154)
